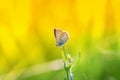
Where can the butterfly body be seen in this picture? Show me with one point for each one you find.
(61, 37)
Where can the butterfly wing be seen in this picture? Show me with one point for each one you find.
(61, 37)
(57, 34)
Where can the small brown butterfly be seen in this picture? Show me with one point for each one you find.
(61, 37)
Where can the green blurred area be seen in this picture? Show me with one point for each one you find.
(99, 61)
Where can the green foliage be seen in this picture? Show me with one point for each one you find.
(98, 60)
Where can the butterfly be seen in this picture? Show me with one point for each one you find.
(61, 37)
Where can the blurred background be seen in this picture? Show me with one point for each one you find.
(27, 44)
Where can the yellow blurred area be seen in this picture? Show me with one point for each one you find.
(26, 27)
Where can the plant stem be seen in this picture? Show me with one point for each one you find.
(67, 74)
(67, 70)
(64, 51)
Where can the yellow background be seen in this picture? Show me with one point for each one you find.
(26, 28)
